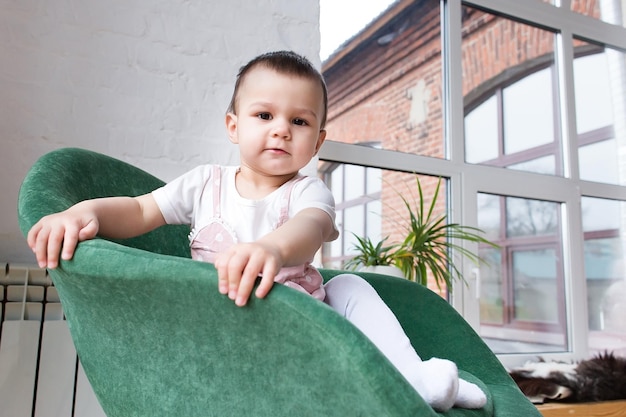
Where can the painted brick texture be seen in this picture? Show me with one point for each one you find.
(144, 81)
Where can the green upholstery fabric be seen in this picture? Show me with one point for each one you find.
(157, 339)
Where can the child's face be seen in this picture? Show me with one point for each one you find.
(278, 122)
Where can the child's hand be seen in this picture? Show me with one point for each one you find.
(61, 230)
(239, 267)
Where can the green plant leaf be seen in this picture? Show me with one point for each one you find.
(429, 244)
(429, 247)
(370, 254)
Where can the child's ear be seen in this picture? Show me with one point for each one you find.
(320, 140)
(231, 127)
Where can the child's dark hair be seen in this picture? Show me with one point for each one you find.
(283, 62)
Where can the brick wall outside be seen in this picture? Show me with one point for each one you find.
(371, 89)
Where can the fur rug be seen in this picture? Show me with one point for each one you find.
(601, 378)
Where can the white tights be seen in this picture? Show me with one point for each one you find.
(436, 380)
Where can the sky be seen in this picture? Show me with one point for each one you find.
(342, 19)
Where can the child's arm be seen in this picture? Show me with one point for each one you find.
(294, 243)
(115, 217)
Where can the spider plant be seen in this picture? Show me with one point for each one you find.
(370, 254)
(429, 245)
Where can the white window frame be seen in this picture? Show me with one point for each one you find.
(466, 180)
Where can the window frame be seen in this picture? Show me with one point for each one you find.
(467, 180)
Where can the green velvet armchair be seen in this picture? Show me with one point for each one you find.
(156, 338)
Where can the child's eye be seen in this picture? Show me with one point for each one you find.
(300, 122)
(264, 116)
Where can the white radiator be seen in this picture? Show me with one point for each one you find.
(40, 375)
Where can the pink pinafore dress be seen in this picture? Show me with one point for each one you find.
(217, 236)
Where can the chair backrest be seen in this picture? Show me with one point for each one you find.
(156, 338)
(66, 176)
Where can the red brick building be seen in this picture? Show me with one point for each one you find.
(386, 87)
(387, 90)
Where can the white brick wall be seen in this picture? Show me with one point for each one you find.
(144, 81)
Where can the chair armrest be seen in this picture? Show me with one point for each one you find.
(66, 176)
(434, 327)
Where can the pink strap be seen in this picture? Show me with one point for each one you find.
(217, 180)
(284, 209)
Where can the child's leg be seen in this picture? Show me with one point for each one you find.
(436, 380)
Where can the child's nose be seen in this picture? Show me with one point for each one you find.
(281, 128)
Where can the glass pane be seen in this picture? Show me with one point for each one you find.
(603, 224)
(522, 299)
(385, 88)
(525, 217)
(373, 227)
(545, 165)
(481, 132)
(528, 111)
(353, 223)
(535, 286)
(336, 184)
(598, 162)
(600, 214)
(374, 180)
(335, 29)
(592, 90)
(355, 176)
(489, 215)
(491, 288)
(510, 94)
(609, 11)
(599, 85)
(381, 212)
